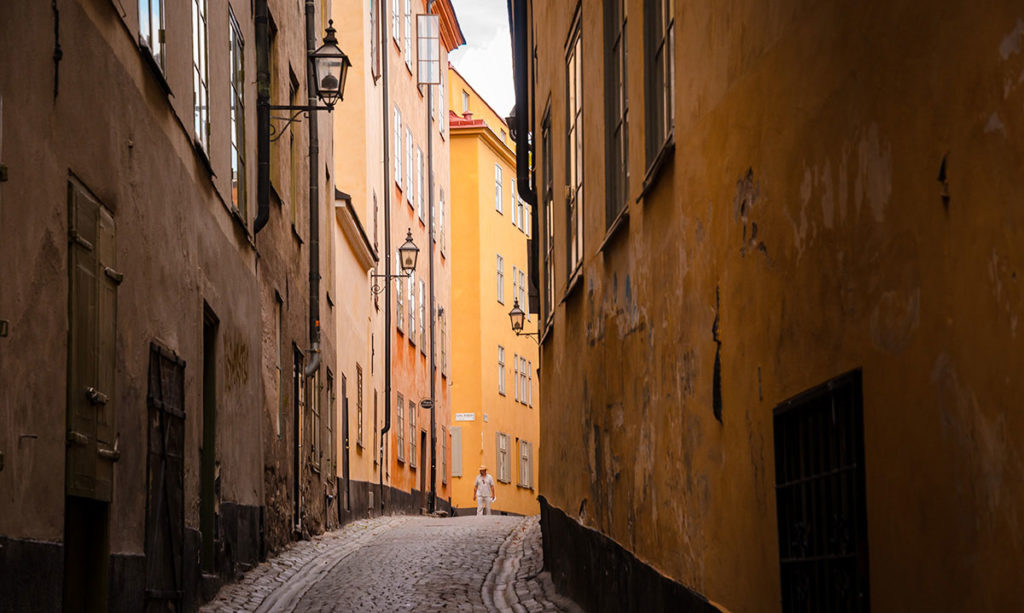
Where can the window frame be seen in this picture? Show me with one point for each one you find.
(498, 189)
(659, 80)
(413, 462)
(500, 268)
(574, 197)
(501, 370)
(400, 429)
(616, 111)
(548, 218)
(359, 406)
(398, 147)
(201, 75)
(150, 38)
(239, 195)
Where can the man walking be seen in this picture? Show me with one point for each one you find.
(483, 489)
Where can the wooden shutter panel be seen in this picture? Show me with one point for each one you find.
(91, 449)
(457, 451)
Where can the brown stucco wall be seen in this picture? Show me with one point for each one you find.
(113, 127)
(801, 210)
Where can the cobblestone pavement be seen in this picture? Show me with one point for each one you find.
(405, 563)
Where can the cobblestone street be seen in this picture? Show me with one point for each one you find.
(404, 563)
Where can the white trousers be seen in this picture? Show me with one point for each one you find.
(483, 503)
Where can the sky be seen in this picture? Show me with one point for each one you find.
(486, 58)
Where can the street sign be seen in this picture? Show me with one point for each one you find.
(465, 416)
(427, 403)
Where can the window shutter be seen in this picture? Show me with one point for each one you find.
(457, 451)
(93, 296)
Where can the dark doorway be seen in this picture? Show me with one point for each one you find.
(344, 448)
(92, 446)
(297, 402)
(423, 469)
(208, 452)
(165, 481)
(820, 497)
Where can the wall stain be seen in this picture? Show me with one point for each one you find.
(236, 363)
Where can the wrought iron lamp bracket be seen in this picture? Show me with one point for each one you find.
(298, 113)
(377, 288)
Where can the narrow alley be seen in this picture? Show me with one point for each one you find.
(404, 563)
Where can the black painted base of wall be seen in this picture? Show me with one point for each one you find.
(601, 575)
(396, 502)
(31, 575)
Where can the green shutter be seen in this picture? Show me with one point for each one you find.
(91, 449)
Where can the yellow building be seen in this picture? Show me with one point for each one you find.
(495, 389)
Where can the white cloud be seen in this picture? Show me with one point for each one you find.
(486, 58)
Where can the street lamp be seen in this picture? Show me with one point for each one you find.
(518, 316)
(407, 256)
(408, 253)
(331, 66)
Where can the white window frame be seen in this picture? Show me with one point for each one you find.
(501, 279)
(409, 167)
(412, 309)
(420, 204)
(400, 430)
(529, 383)
(201, 74)
(399, 294)
(413, 462)
(408, 34)
(396, 22)
(501, 370)
(526, 464)
(151, 30)
(515, 367)
(503, 456)
(497, 189)
(423, 317)
(398, 147)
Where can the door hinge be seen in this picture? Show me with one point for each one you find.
(114, 275)
(113, 454)
(77, 438)
(95, 396)
(77, 238)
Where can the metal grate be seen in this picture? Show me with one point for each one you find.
(819, 490)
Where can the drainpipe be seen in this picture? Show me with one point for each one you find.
(382, 17)
(431, 501)
(262, 117)
(314, 197)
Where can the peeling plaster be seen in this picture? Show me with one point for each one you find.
(995, 124)
(1011, 43)
(873, 183)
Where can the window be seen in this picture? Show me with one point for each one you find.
(616, 110)
(315, 448)
(151, 29)
(396, 20)
(423, 317)
(238, 195)
(501, 280)
(398, 147)
(502, 134)
(440, 222)
(444, 456)
(444, 344)
(515, 285)
(399, 293)
(374, 41)
(501, 370)
(359, 406)
(400, 428)
(412, 434)
(515, 368)
(456, 451)
(409, 169)
(420, 204)
(279, 381)
(529, 383)
(525, 464)
(504, 461)
(330, 420)
(465, 102)
(408, 34)
(412, 309)
(548, 219)
(574, 154)
(659, 68)
(522, 291)
(200, 75)
(497, 188)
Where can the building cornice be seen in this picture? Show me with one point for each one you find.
(353, 230)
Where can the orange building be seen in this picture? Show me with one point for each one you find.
(387, 193)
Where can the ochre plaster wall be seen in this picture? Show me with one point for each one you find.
(800, 209)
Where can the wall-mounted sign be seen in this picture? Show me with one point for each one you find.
(465, 416)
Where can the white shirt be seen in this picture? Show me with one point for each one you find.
(484, 486)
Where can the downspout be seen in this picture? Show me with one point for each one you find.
(520, 123)
(314, 197)
(262, 117)
(431, 501)
(384, 59)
